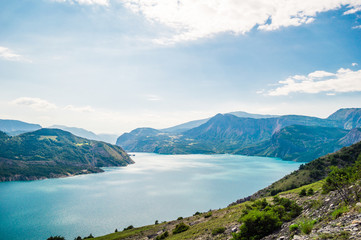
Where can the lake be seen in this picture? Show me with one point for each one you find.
(156, 187)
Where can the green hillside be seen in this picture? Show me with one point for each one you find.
(50, 153)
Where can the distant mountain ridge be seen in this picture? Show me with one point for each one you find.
(227, 133)
(81, 132)
(15, 127)
(48, 153)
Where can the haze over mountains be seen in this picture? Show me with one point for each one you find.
(289, 137)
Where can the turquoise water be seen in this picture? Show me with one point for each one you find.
(157, 187)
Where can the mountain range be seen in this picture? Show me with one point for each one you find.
(290, 137)
(48, 153)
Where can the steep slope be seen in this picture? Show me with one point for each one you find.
(314, 170)
(52, 152)
(349, 117)
(303, 143)
(15, 127)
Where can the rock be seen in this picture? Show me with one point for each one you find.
(296, 237)
(281, 238)
(234, 229)
(358, 204)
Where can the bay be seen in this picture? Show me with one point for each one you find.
(156, 187)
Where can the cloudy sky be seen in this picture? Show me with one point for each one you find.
(113, 65)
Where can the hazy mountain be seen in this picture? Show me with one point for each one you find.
(303, 143)
(251, 115)
(81, 132)
(49, 153)
(15, 127)
(350, 117)
(227, 133)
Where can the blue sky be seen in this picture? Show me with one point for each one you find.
(114, 65)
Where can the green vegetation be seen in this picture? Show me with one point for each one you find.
(218, 230)
(56, 238)
(339, 211)
(306, 225)
(180, 228)
(293, 227)
(48, 153)
(303, 192)
(340, 179)
(162, 236)
(128, 228)
(262, 218)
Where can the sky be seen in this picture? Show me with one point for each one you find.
(110, 66)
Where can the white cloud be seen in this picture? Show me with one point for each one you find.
(357, 27)
(194, 19)
(86, 2)
(35, 103)
(344, 80)
(9, 55)
(354, 64)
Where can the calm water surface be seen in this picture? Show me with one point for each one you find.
(157, 187)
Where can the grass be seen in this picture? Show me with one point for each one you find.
(339, 211)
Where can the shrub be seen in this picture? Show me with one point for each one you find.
(257, 224)
(339, 211)
(306, 225)
(303, 192)
(156, 222)
(196, 213)
(179, 218)
(163, 236)
(218, 230)
(310, 192)
(90, 236)
(128, 228)
(56, 238)
(180, 228)
(209, 214)
(293, 227)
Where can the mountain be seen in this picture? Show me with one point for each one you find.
(81, 132)
(48, 153)
(223, 133)
(185, 126)
(350, 117)
(15, 127)
(251, 115)
(303, 143)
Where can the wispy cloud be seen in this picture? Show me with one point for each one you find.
(9, 55)
(194, 19)
(343, 81)
(44, 105)
(86, 2)
(354, 64)
(357, 27)
(35, 103)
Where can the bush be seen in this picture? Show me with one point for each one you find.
(180, 228)
(196, 213)
(163, 236)
(339, 211)
(306, 225)
(56, 238)
(310, 192)
(209, 214)
(262, 218)
(218, 230)
(179, 218)
(303, 192)
(293, 227)
(128, 228)
(90, 236)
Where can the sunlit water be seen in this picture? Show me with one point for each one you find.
(157, 187)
